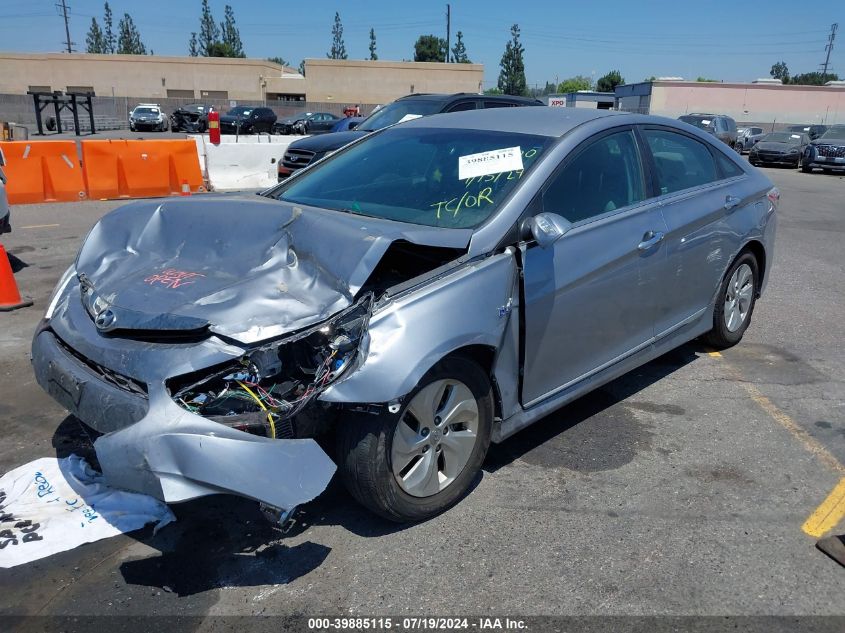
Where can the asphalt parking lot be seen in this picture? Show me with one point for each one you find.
(679, 489)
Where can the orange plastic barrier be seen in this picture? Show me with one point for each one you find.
(140, 169)
(42, 171)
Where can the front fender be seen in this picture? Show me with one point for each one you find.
(470, 306)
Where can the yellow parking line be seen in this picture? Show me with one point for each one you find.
(828, 514)
(40, 226)
(810, 443)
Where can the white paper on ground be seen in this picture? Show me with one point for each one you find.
(487, 163)
(52, 505)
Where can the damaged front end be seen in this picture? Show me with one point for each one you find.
(247, 425)
(265, 391)
(203, 365)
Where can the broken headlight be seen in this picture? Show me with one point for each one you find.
(265, 389)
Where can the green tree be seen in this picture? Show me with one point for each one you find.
(609, 81)
(109, 39)
(705, 80)
(574, 84)
(222, 49)
(338, 50)
(430, 48)
(780, 71)
(209, 31)
(459, 50)
(230, 34)
(373, 54)
(512, 73)
(813, 79)
(129, 38)
(94, 41)
(278, 60)
(493, 91)
(302, 68)
(193, 46)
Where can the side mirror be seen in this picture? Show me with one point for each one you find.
(547, 228)
(352, 126)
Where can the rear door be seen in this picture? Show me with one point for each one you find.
(589, 299)
(699, 188)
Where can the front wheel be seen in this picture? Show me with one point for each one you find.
(734, 303)
(413, 465)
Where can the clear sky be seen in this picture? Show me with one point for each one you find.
(719, 39)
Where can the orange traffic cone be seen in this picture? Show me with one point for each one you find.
(10, 298)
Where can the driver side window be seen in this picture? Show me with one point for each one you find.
(604, 176)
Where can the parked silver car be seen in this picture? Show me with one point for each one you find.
(435, 286)
(747, 137)
(5, 213)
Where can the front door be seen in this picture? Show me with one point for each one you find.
(590, 298)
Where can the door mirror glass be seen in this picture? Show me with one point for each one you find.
(547, 228)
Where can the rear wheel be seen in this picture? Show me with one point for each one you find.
(806, 168)
(734, 303)
(415, 464)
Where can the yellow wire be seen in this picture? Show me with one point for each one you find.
(260, 404)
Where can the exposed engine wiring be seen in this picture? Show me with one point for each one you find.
(261, 404)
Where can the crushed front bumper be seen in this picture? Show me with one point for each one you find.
(153, 446)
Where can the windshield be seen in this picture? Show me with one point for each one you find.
(399, 110)
(781, 137)
(146, 110)
(705, 123)
(836, 133)
(434, 177)
(239, 111)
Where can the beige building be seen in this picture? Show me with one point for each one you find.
(217, 78)
(758, 102)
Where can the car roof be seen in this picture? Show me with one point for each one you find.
(542, 121)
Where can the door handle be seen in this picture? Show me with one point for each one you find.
(651, 238)
(731, 202)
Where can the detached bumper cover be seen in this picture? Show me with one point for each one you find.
(153, 446)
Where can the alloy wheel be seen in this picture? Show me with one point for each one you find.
(435, 437)
(740, 292)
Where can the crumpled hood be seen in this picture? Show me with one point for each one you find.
(249, 268)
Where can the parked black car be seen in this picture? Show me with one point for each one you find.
(813, 131)
(305, 151)
(306, 123)
(286, 125)
(784, 148)
(827, 151)
(317, 123)
(247, 120)
(190, 118)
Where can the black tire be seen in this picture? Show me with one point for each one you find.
(720, 337)
(807, 169)
(364, 443)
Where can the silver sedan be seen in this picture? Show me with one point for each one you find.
(431, 288)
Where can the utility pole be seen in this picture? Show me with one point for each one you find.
(448, 31)
(829, 49)
(63, 6)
